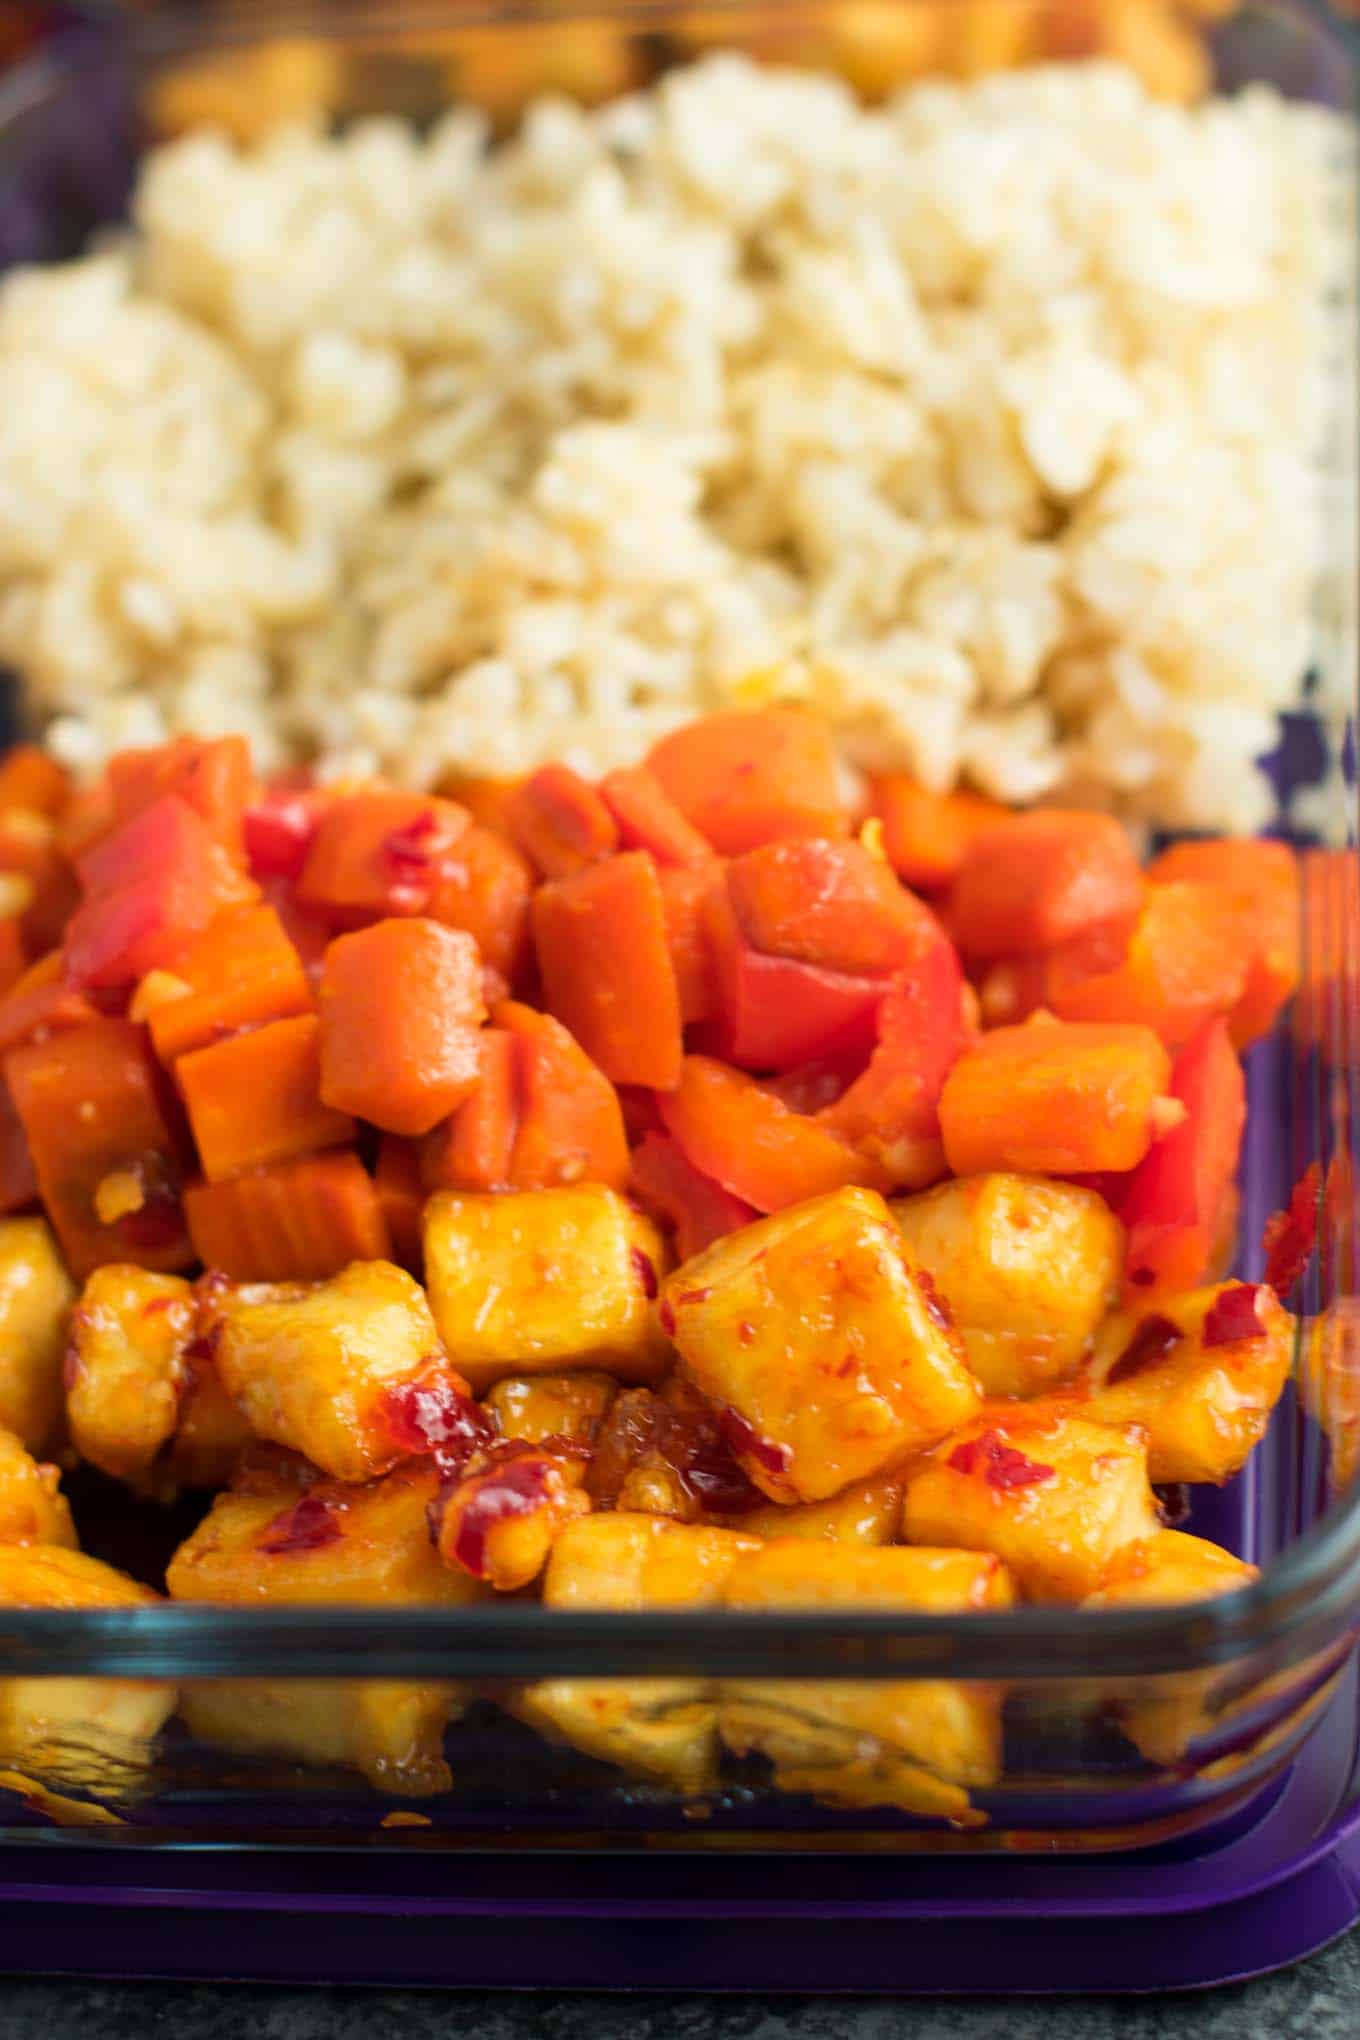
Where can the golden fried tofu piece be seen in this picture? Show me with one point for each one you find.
(534, 1280)
(33, 1509)
(920, 1744)
(211, 1433)
(659, 1728)
(1161, 1571)
(296, 1539)
(535, 1408)
(827, 1356)
(1050, 1491)
(348, 1372)
(125, 1366)
(867, 1513)
(36, 1295)
(503, 1517)
(1184, 1370)
(83, 1730)
(1028, 1268)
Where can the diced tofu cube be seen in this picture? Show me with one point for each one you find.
(660, 1728)
(391, 1731)
(1027, 1267)
(33, 1509)
(867, 1513)
(920, 1744)
(126, 1367)
(36, 1295)
(89, 1732)
(534, 1408)
(536, 1280)
(330, 1367)
(828, 1358)
(1051, 1492)
(211, 1433)
(298, 1539)
(500, 1521)
(1166, 1569)
(1201, 1371)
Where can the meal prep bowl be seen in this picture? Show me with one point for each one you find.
(1237, 1684)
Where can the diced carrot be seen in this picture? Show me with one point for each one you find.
(298, 1221)
(570, 1126)
(473, 1149)
(697, 1210)
(1040, 879)
(150, 884)
(402, 1198)
(279, 827)
(891, 1111)
(13, 955)
(604, 959)
(1266, 875)
(240, 972)
(87, 815)
(18, 1179)
(484, 887)
(1186, 962)
(746, 777)
(774, 1012)
(829, 903)
(684, 894)
(256, 1098)
(41, 999)
(377, 853)
(401, 1003)
(31, 778)
(29, 850)
(1175, 1201)
(92, 1106)
(927, 835)
(211, 775)
(486, 800)
(1055, 1099)
(560, 822)
(648, 819)
(731, 1129)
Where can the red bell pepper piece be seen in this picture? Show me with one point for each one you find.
(774, 1012)
(891, 1111)
(731, 1129)
(150, 884)
(695, 1208)
(378, 853)
(101, 1131)
(1174, 1203)
(401, 1003)
(746, 777)
(1041, 879)
(279, 827)
(605, 963)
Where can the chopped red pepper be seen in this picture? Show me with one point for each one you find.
(1233, 1316)
(1000, 1465)
(309, 1525)
(1291, 1235)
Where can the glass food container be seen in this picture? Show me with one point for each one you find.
(1120, 1728)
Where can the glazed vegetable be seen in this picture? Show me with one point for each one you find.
(1056, 1099)
(401, 1003)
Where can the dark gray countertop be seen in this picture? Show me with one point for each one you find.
(1318, 2000)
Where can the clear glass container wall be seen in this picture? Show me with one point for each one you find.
(1115, 1726)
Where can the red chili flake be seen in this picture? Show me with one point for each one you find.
(1000, 1464)
(158, 1304)
(204, 1346)
(516, 1488)
(694, 1296)
(936, 1307)
(646, 1273)
(434, 1416)
(667, 1318)
(1291, 1235)
(1151, 1342)
(306, 1526)
(744, 1438)
(746, 1333)
(1143, 1277)
(1232, 1316)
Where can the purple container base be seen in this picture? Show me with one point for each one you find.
(1271, 1890)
